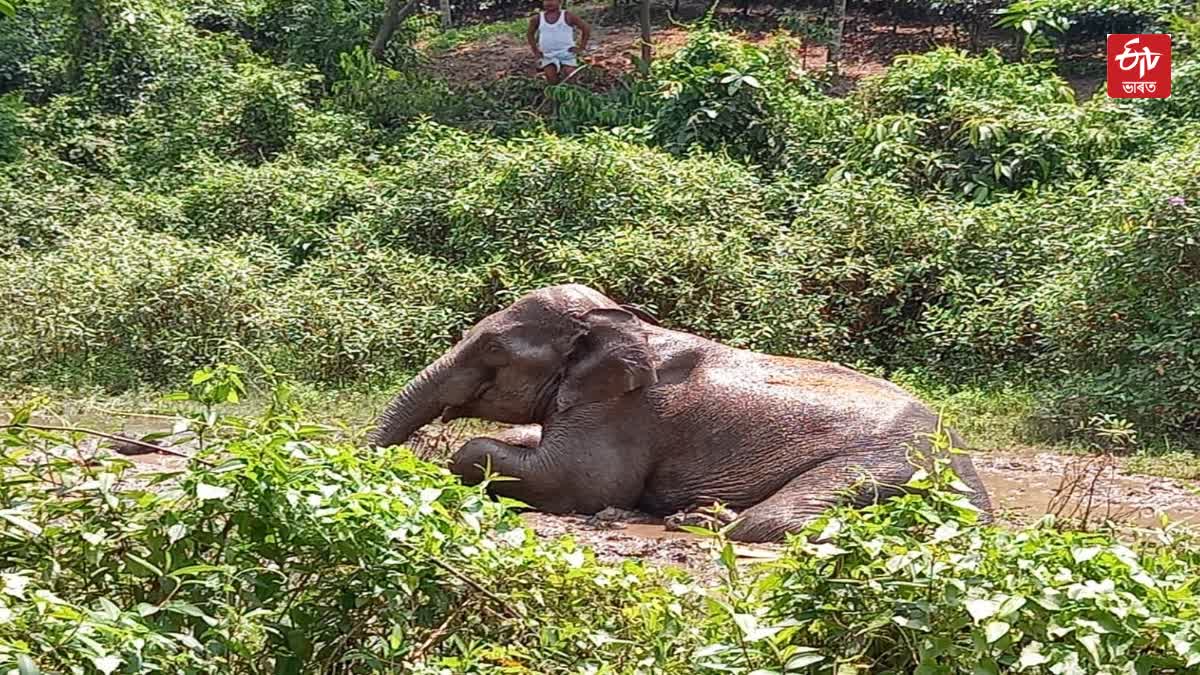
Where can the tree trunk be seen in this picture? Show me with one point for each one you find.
(88, 36)
(647, 52)
(835, 47)
(393, 16)
(446, 19)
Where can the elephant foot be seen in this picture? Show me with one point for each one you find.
(712, 517)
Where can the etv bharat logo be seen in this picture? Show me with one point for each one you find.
(1139, 66)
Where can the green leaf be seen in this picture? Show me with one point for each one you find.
(804, 660)
(728, 557)
(193, 570)
(188, 609)
(986, 667)
(996, 630)
(1031, 656)
(980, 609)
(19, 521)
(1091, 642)
(150, 567)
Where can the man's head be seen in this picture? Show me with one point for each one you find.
(551, 5)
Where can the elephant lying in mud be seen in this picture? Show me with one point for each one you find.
(620, 412)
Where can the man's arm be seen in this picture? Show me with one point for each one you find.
(585, 31)
(531, 36)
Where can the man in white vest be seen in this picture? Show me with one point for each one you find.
(551, 36)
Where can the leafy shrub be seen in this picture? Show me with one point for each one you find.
(438, 198)
(114, 305)
(1081, 19)
(1183, 105)
(391, 98)
(32, 53)
(291, 204)
(1124, 315)
(318, 32)
(359, 313)
(717, 93)
(281, 549)
(10, 127)
(977, 126)
(911, 586)
(36, 218)
(292, 552)
(928, 84)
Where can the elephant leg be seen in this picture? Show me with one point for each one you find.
(808, 495)
(527, 476)
(554, 471)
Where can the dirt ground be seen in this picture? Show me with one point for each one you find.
(871, 42)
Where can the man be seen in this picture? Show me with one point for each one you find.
(551, 36)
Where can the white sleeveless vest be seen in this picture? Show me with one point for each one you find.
(556, 38)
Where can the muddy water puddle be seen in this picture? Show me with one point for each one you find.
(1024, 487)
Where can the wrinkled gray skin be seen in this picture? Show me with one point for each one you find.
(621, 412)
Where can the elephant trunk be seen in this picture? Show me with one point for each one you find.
(418, 404)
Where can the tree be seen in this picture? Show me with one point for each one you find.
(393, 16)
(647, 51)
(7, 8)
(835, 46)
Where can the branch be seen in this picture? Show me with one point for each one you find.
(392, 18)
(501, 602)
(117, 439)
(437, 635)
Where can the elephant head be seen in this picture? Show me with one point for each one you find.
(554, 349)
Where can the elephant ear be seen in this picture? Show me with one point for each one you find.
(642, 314)
(610, 357)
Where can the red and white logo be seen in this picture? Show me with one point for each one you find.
(1139, 66)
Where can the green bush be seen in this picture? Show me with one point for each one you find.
(291, 204)
(438, 198)
(1082, 19)
(37, 218)
(359, 314)
(716, 93)
(929, 84)
(117, 306)
(976, 126)
(319, 32)
(32, 53)
(282, 549)
(1124, 316)
(292, 552)
(11, 127)
(911, 587)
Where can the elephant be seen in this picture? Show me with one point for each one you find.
(615, 411)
